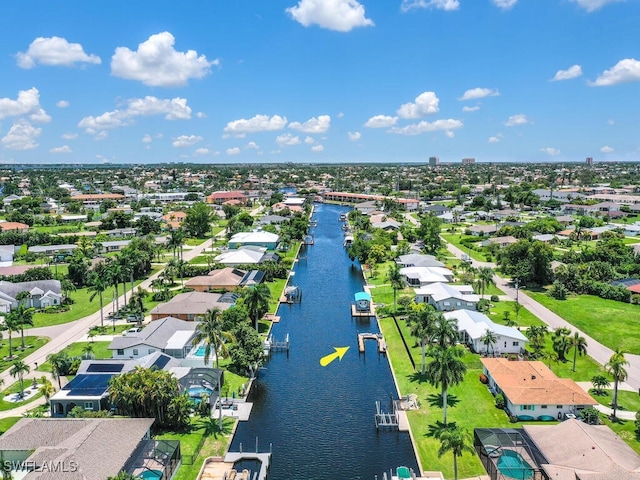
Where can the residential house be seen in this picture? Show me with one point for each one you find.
(531, 390)
(86, 448)
(219, 198)
(174, 219)
(228, 278)
(272, 220)
(256, 239)
(420, 276)
(13, 227)
(502, 242)
(112, 246)
(409, 204)
(42, 294)
(474, 325)
(418, 260)
(245, 256)
(436, 209)
(189, 306)
(445, 297)
(6, 253)
(50, 250)
(168, 335)
(482, 230)
(121, 232)
(367, 208)
(562, 196)
(569, 450)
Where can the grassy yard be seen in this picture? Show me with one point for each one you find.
(31, 345)
(100, 350)
(194, 242)
(627, 401)
(474, 404)
(525, 317)
(7, 423)
(15, 388)
(202, 259)
(614, 324)
(455, 240)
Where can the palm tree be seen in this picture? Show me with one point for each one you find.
(508, 321)
(579, 345)
(423, 325)
(256, 299)
(561, 342)
(550, 357)
(446, 369)
(489, 339)
(615, 368)
(21, 316)
(18, 369)
(136, 303)
(485, 276)
(600, 382)
(397, 282)
(537, 334)
(446, 331)
(99, 283)
(57, 362)
(12, 324)
(87, 351)
(114, 273)
(46, 389)
(210, 331)
(175, 241)
(457, 441)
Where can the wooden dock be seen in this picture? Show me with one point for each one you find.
(382, 345)
(360, 314)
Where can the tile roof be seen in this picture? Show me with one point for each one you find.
(533, 383)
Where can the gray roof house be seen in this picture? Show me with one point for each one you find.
(168, 335)
(44, 293)
(418, 260)
(445, 297)
(83, 448)
(189, 306)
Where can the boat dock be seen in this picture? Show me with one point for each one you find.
(394, 420)
(362, 313)
(271, 345)
(382, 345)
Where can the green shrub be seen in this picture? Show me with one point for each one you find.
(495, 298)
(500, 401)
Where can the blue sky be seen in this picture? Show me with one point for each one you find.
(319, 81)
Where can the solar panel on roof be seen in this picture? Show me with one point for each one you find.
(88, 385)
(106, 367)
(161, 361)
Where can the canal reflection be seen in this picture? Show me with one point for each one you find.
(320, 420)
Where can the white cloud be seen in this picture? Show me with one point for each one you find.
(317, 148)
(157, 64)
(101, 135)
(287, 140)
(519, 119)
(552, 152)
(314, 125)
(354, 136)
(470, 109)
(424, 127)
(63, 149)
(494, 139)
(204, 151)
(201, 115)
(252, 146)
(69, 136)
(573, 71)
(381, 121)
(147, 139)
(607, 149)
(626, 70)
(259, 123)
(184, 141)
(338, 15)
(21, 136)
(62, 104)
(54, 51)
(425, 104)
(309, 140)
(593, 5)
(504, 4)
(436, 4)
(26, 105)
(340, 115)
(475, 93)
(172, 109)
(233, 151)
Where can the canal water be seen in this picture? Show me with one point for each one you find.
(320, 420)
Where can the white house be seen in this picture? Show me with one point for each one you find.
(420, 276)
(445, 297)
(418, 260)
(473, 326)
(42, 294)
(6, 253)
(260, 239)
(532, 391)
(241, 256)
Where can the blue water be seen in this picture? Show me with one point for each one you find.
(511, 464)
(199, 391)
(320, 420)
(200, 351)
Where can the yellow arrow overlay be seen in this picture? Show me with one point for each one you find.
(339, 353)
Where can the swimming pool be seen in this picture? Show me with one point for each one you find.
(197, 391)
(512, 465)
(151, 474)
(200, 351)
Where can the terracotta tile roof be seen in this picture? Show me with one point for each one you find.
(10, 226)
(532, 383)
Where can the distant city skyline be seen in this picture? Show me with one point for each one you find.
(319, 81)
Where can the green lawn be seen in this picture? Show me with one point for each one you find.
(194, 242)
(100, 350)
(455, 238)
(614, 324)
(15, 388)
(202, 259)
(7, 423)
(31, 345)
(627, 401)
(525, 317)
(625, 430)
(475, 407)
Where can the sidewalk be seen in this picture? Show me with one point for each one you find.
(621, 414)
